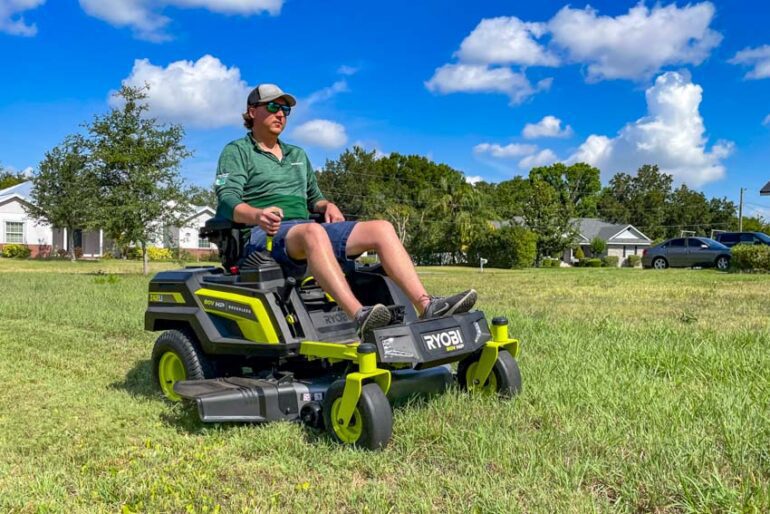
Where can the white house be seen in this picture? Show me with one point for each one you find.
(17, 227)
(622, 239)
(186, 237)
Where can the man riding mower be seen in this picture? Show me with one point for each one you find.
(249, 344)
(281, 331)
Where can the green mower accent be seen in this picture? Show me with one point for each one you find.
(350, 432)
(489, 386)
(170, 371)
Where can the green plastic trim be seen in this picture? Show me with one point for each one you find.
(170, 371)
(487, 361)
(354, 382)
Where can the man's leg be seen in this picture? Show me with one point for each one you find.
(380, 236)
(309, 241)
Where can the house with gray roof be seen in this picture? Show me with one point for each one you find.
(765, 191)
(621, 239)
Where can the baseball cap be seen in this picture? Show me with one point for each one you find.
(267, 92)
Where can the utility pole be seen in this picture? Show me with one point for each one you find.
(740, 213)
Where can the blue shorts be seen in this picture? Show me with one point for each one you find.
(338, 235)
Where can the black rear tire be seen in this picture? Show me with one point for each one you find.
(372, 423)
(507, 376)
(185, 347)
(659, 263)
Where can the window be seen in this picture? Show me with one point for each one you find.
(676, 243)
(747, 239)
(203, 242)
(14, 232)
(695, 242)
(727, 238)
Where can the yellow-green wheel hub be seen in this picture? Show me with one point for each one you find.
(488, 387)
(351, 433)
(170, 371)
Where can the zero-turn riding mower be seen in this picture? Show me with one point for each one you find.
(249, 344)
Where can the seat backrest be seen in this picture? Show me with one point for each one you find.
(230, 238)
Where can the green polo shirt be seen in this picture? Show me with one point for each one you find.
(247, 174)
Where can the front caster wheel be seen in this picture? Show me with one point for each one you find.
(504, 380)
(372, 423)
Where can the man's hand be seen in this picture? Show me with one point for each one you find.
(332, 213)
(269, 219)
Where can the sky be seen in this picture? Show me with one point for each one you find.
(491, 88)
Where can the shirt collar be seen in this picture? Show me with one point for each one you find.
(284, 148)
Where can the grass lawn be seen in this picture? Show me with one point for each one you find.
(643, 391)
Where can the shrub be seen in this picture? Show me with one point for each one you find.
(579, 253)
(159, 254)
(634, 261)
(550, 263)
(590, 263)
(610, 261)
(153, 253)
(506, 247)
(751, 257)
(16, 251)
(597, 246)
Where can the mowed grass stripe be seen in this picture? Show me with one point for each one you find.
(628, 406)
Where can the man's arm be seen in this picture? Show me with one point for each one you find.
(331, 212)
(268, 219)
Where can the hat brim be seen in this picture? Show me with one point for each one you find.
(290, 100)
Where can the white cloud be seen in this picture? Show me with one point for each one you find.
(671, 136)
(204, 93)
(371, 146)
(341, 86)
(323, 133)
(635, 45)
(638, 44)
(549, 126)
(766, 121)
(11, 22)
(758, 57)
(474, 78)
(503, 152)
(474, 179)
(506, 40)
(347, 70)
(542, 158)
(147, 21)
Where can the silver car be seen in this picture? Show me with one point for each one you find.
(683, 252)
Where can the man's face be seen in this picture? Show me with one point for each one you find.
(264, 120)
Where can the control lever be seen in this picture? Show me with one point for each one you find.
(286, 291)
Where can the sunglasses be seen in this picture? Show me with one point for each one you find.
(274, 107)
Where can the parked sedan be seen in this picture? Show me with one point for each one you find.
(683, 252)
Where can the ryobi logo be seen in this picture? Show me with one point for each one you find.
(447, 340)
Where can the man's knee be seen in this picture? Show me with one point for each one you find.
(312, 234)
(382, 231)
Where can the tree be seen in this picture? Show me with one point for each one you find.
(506, 247)
(577, 186)
(65, 190)
(201, 196)
(641, 200)
(11, 178)
(136, 160)
(597, 246)
(546, 216)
